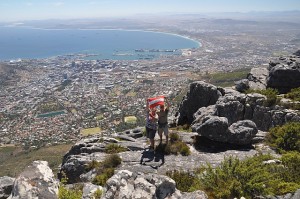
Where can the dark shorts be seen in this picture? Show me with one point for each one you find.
(150, 133)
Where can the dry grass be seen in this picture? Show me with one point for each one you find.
(90, 131)
(13, 160)
(130, 119)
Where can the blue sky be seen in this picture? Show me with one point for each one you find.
(16, 10)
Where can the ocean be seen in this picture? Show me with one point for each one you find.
(30, 43)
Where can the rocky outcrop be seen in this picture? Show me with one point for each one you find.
(75, 161)
(6, 185)
(228, 120)
(36, 181)
(284, 74)
(140, 160)
(256, 80)
(297, 53)
(200, 94)
(126, 184)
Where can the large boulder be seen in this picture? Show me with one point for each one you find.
(6, 185)
(200, 94)
(242, 132)
(217, 129)
(284, 74)
(36, 181)
(213, 127)
(258, 78)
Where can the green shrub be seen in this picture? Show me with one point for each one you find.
(270, 93)
(97, 194)
(291, 162)
(175, 146)
(64, 193)
(114, 148)
(174, 137)
(92, 165)
(184, 180)
(104, 176)
(249, 178)
(105, 170)
(294, 94)
(185, 150)
(112, 161)
(285, 138)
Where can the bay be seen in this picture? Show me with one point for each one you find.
(30, 43)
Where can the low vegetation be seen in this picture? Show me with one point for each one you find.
(175, 146)
(248, 178)
(104, 169)
(69, 193)
(225, 79)
(114, 148)
(260, 175)
(183, 128)
(270, 93)
(9, 155)
(294, 94)
(285, 138)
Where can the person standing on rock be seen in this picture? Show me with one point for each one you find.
(163, 120)
(151, 124)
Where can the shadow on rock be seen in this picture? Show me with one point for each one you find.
(151, 158)
(203, 144)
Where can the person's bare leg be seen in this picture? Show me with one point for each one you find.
(152, 143)
(167, 139)
(160, 134)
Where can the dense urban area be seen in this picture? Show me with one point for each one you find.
(60, 99)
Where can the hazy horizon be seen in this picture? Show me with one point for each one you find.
(24, 10)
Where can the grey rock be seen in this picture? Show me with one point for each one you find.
(36, 181)
(75, 165)
(6, 185)
(214, 128)
(194, 195)
(296, 195)
(89, 190)
(258, 78)
(232, 110)
(284, 74)
(297, 53)
(262, 118)
(127, 184)
(200, 94)
(242, 85)
(242, 132)
(203, 112)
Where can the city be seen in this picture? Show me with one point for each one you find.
(51, 101)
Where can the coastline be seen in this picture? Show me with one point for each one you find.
(194, 44)
(119, 29)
